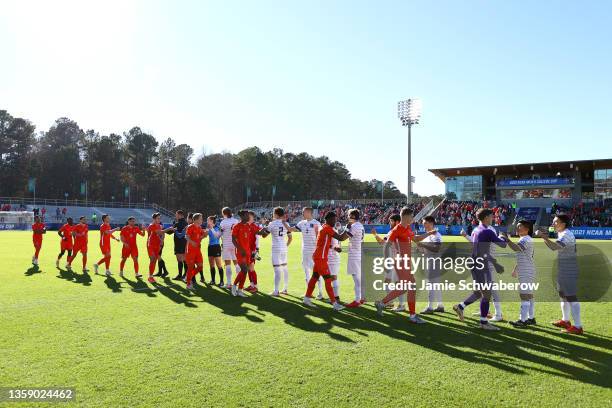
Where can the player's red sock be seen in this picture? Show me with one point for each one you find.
(135, 266)
(312, 283)
(152, 266)
(411, 302)
(239, 278)
(101, 261)
(122, 264)
(84, 260)
(253, 277)
(36, 252)
(107, 262)
(329, 289)
(191, 272)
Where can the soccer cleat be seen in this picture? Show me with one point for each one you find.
(121, 274)
(177, 277)
(240, 293)
(459, 312)
(108, 273)
(190, 287)
(251, 289)
(228, 286)
(519, 324)
(96, 268)
(138, 276)
(212, 283)
(221, 284)
(362, 301)
(234, 290)
(353, 304)
(274, 293)
(284, 292)
(337, 306)
(320, 296)
(531, 321)
(427, 310)
(573, 330)
(439, 309)
(85, 270)
(68, 266)
(380, 307)
(488, 326)
(57, 263)
(399, 308)
(496, 319)
(416, 319)
(151, 279)
(564, 324)
(307, 301)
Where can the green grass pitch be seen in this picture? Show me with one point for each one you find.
(124, 343)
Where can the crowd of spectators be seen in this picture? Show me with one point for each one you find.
(464, 212)
(591, 214)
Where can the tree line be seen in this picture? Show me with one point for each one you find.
(134, 166)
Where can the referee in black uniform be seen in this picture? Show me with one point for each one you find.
(180, 243)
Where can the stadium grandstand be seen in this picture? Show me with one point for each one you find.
(534, 191)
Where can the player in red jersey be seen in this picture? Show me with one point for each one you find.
(243, 237)
(38, 229)
(79, 233)
(130, 247)
(154, 243)
(106, 234)
(402, 237)
(254, 252)
(321, 268)
(65, 232)
(195, 262)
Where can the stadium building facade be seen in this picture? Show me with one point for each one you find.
(535, 185)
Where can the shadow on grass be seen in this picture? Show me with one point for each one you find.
(69, 275)
(541, 349)
(113, 285)
(33, 270)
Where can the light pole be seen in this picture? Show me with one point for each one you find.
(409, 113)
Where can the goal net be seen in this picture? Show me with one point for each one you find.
(16, 220)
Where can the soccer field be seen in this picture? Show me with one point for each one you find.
(122, 342)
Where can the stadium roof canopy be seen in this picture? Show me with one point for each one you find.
(523, 168)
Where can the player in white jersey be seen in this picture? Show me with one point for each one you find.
(281, 239)
(309, 227)
(430, 247)
(333, 260)
(229, 251)
(354, 254)
(524, 271)
(390, 275)
(567, 273)
(498, 317)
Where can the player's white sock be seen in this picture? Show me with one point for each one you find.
(320, 286)
(524, 310)
(565, 310)
(237, 267)
(531, 308)
(403, 298)
(439, 298)
(431, 299)
(357, 281)
(496, 303)
(576, 313)
(277, 278)
(336, 286)
(285, 277)
(228, 274)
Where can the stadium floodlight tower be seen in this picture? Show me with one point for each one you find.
(409, 113)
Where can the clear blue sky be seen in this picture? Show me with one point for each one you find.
(501, 82)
